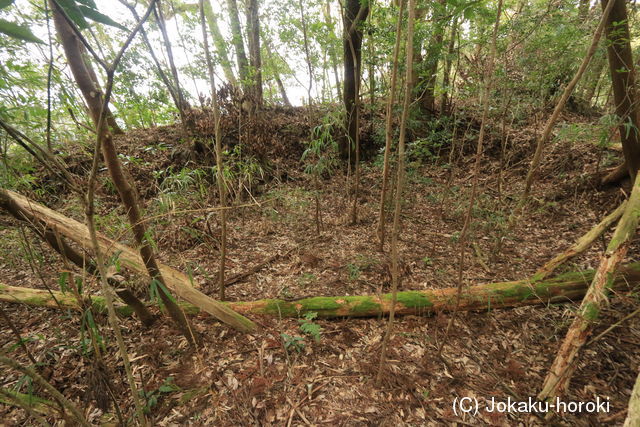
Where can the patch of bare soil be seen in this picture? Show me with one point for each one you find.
(280, 375)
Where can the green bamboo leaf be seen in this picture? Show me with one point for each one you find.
(72, 10)
(18, 32)
(96, 16)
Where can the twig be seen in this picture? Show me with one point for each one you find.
(240, 276)
(615, 325)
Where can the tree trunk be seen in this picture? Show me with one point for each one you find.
(616, 174)
(238, 42)
(354, 15)
(597, 66)
(219, 162)
(427, 86)
(74, 256)
(255, 58)
(183, 104)
(568, 90)
(564, 288)
(446, 80)
(130, 259)
(400, 173)
(307, 53)
(271, 57)
(120, 180)
(388, 131)
(220, 43)
(332, 52)
(163, 76)
(81, 68)
(623, 81)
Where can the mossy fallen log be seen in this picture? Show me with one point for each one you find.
(564, 288)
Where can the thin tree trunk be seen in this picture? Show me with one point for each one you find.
(306, 50)
(80, 67)
(120, 181)
(582, 244)
(446, 90)
(371, 51)
(255, 58)
(220, 43)
(395, 233)
(276, 74)
(183, 105)
(163, 76)
(67, 404)
(238, 42)
(219, 162)
(535, 162)
(332, 53)
(388, 130)
(598, 66)
(488, 85)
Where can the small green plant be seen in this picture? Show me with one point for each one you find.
(307, 279)
(354, 271)
(293, 342)
(186, 179)
(427, 261)
(428, 148)
(286, 293)
(320, 158)
(151, 397)
(308, 327)
(365, 262)
(241, 172)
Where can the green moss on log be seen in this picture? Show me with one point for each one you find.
(563, 288)
(412, 299)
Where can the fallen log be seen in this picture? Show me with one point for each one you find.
(129, 258)
(71, 254)
(557, 380)
(568, 287)
(582, 244)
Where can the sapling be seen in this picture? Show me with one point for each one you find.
(320, 158)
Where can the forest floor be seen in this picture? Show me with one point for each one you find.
(239, 379)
